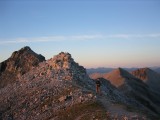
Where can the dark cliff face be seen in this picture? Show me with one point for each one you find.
(18, 64)
(2, 66)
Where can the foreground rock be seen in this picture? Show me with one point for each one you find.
(47, 90)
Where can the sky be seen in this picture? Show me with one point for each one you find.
(97, 33)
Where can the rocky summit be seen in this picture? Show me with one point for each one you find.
(60, 89)
(19, 63)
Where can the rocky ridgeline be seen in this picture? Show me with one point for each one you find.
(60, 67)
(45, 90)
(53, 87)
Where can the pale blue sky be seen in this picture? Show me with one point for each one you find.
(98, 33)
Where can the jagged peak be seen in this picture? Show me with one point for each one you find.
(26, 48)
(122, 72)
(63, 54)
(62, 60)
(120, 69)
(144, 73)
(21, 51)
(142, 70)
(63, 57)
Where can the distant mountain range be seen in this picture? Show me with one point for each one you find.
(106, 70)
(60, 89)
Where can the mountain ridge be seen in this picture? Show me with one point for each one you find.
(106, 70)
(59, 88)
(133, 88)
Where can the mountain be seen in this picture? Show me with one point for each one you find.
(117, 76)
(106, 70)
(99, 70)
(96, 75)
(19, 63)
(59, 88)
(102, 70)
(134, 88)
(157, 70)
(47, 90)
(150, 77)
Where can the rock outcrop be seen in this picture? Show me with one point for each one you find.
(148, 76)
(18, 64)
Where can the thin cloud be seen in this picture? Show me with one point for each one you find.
(78, 38)
(85, 37)
(124, 36)
(53, 39)
(155, 35)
